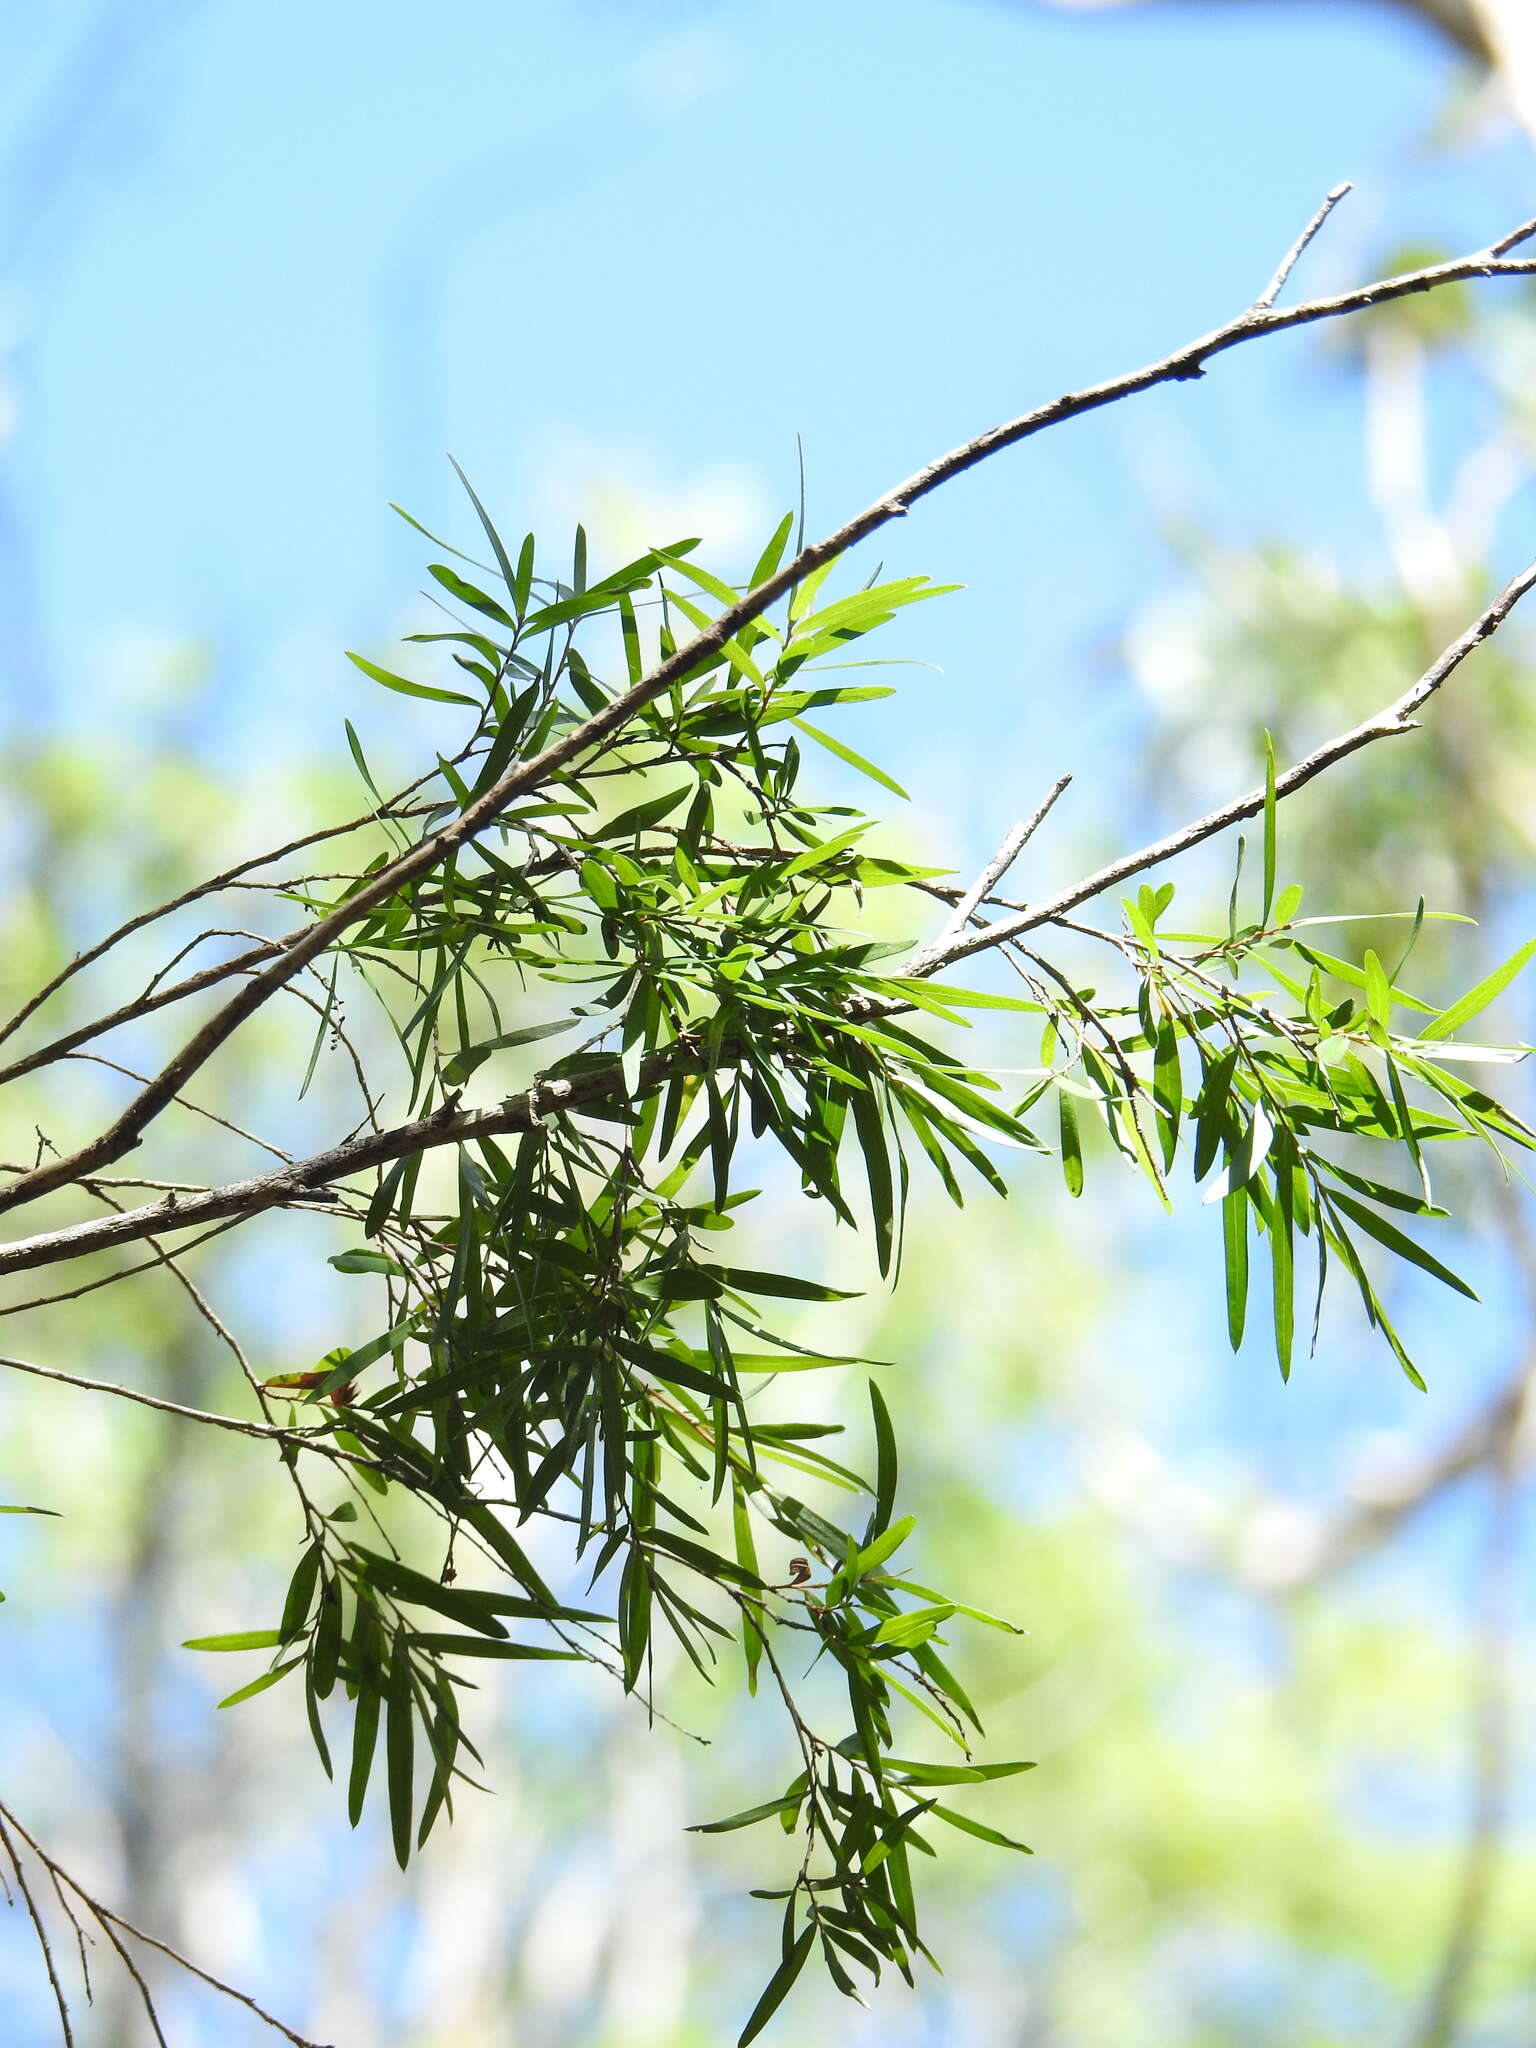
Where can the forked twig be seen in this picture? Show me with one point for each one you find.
(113, 1925)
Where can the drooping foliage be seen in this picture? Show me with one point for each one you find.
(563, 1338)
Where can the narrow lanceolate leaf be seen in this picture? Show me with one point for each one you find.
(752, 1623)
(1246, 1156)
(772, 1809)
(1477, 999)
(905, 1631)
(1071, 1143)
(409, 689)
(1283, 1269)
(365, 1729)
(909, 1773)
(1234, 1231)
(1168, 1087)
(400, 1747)
(883, 1546)
(1378, 991)
(465, 1061)
(846, 753)
(885, 1465)
(508, 573)
(1395, 1240)
(247, 1692)
(870, 1130)
(245, 1639)
(980, 1830)
(777, 1988)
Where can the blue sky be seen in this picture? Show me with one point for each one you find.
(626, 252)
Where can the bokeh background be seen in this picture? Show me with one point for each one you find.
(259, 271)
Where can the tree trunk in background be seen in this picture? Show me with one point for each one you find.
(1499, 33)
(1510, 28)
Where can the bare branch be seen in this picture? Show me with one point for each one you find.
(40, 1929)
(995, 869)
(229, 879)
(1391, 723)
(272, 1431)
(306, 1179)
(1513, 239)
(1299, 247)
(109, 1921)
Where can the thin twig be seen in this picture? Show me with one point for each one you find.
(148, 917)
(39, 1927)
(108, 1920)
(1513, 239)
(998, 866)
(1298, 248)
(271, 1431)
(1391, 723)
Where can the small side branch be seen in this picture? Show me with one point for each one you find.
(271, 1431)
(1398, 718)
(993, 872)
(1299, 247)
(113, 1925)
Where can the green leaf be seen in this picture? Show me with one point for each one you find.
(980, 1830)
(366, 1262)
(301, 1593)
(790, 1286)
(1476, 999)
(508, 574)
(951, 1774)
(752, 1624)
(961, 998)
(365, 1729)
(1071, 1143)
(246, 1639)
(1245, 1157)
(464, 1062)
(468, 593)
(846, 753)
(778, 1987)
(1378, 990)
(257, 1685)
(1395, 1240)
(1282, 1269)
(885, 1464)
(399, 1747)
(771, 1809)
(1288, 905)
(1234, 1233)
(485, 1646)
(409, 689)
(876, 1553)
(907, 1630)
(827, 850)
